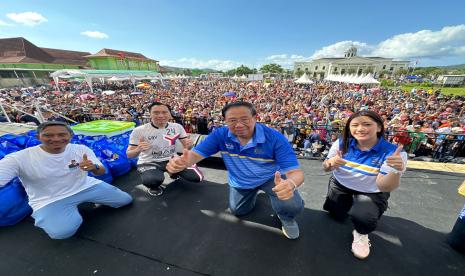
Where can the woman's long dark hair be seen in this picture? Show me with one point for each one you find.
(346, 135)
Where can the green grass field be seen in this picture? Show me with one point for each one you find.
(456, 91)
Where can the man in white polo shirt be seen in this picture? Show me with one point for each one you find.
(155, 144)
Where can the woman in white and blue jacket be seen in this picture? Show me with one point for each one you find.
(366, 168)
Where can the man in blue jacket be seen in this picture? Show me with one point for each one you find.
(256, 156)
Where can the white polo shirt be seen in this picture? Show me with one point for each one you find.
(362, 167)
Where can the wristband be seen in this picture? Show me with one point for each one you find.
(97, 167)
(396, 171)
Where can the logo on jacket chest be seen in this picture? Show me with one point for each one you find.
(229, 146)
(376, 161)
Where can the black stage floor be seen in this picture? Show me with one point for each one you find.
(189, 231)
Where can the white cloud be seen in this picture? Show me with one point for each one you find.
(95, 34)
(337, 49)
(426, 45)
(286, 61)
(216, 64)
(27, 18)
(277, 57)
(448, 41)
(3, 23)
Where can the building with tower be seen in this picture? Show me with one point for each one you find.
(351, 63)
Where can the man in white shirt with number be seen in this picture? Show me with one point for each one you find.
(155, 144)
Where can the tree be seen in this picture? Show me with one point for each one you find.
(298, 73)
(197, 72)
(231, 72)
(243, 70)
(384, 73)
(401, 72)
(271, 68)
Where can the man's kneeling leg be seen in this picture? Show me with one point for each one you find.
(59, 220)
(151, 176)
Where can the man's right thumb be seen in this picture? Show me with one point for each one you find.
(277, 177)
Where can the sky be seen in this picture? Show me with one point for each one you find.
(223, 35)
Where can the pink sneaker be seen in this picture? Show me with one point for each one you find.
(360, 245)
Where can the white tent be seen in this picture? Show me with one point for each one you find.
(357, 79)
(304, 79)
(369, 79)
(88, 75)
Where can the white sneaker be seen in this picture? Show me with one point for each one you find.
(360, 245)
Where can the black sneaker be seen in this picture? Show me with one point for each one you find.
(158, 191)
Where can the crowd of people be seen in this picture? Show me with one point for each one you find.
(365, 169)
(427, 123)
(256, 127)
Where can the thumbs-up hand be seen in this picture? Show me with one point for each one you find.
(337, 161)
(143, 145)
(283, 188)
(86, 164)
(395, 160)
(179, 163)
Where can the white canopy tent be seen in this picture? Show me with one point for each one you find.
(362, 79)
(88, 75)
(304, 79)
(369, 79)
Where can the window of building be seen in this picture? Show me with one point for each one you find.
(384, 67)
(391, 69)
(316, 67)
(306, 69)
(324, 67)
